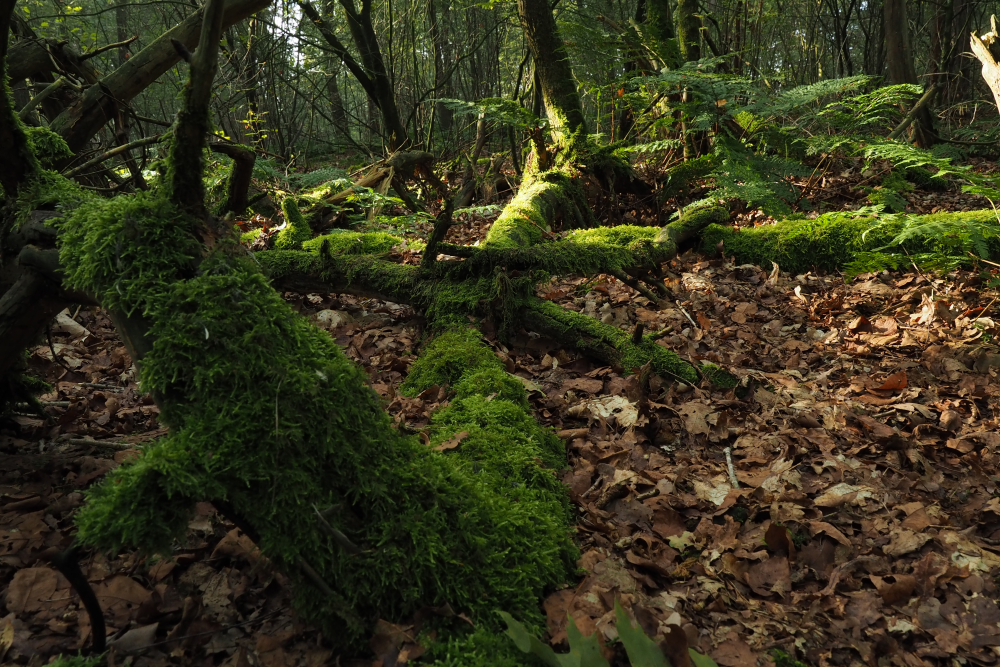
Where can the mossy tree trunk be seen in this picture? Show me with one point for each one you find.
(689, 30)
(553, 70)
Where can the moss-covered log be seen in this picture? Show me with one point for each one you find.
(269, 420)
(831, 241)
(605, 342)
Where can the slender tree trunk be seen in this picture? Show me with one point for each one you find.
(899, 57)
(689, 30)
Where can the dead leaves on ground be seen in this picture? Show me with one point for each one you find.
(864, 527)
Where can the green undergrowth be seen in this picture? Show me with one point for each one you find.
(836, 241)
(269, 420)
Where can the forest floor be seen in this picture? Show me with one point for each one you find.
(863, 526)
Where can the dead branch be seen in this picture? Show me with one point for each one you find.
(118, 150)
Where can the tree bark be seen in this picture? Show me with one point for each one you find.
(899, 57)
(553, 70)
(689, 30)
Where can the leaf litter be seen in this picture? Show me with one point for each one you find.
(863, 526)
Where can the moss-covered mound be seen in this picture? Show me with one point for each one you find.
(272, 422)
(833, 240)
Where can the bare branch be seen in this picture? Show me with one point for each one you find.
(139, 143)
(107, 47)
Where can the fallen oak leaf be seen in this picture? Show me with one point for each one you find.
(453, 442)
(894, 382)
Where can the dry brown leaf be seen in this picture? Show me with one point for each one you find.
(452, 442)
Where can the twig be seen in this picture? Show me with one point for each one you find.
(921, 103)
(107, 47)
(101, 385)
(102, 443)
(69, 565)
(52, 348)
(728, 451)
(118, 150)
(985, 261)
(678, 302)
(342, 540)
(41, 97)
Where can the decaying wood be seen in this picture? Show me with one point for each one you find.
(987, 50)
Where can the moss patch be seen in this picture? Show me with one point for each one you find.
(47, 146)
(549, 197)
(831, 241)
(353, 243)
(608, 342)
(447, 358)
(296, 231)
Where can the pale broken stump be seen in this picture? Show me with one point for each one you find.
(987, 50)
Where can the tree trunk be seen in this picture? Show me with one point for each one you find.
(370, 72)
(689, 30)
(553, 70)
(899, 57)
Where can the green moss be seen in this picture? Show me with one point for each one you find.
(492, 381)
(782, 659)
(48, 147)
(268, 416)
(447, 358)
(296, 231)
(609, 342)
(479, 647)
(682, 178)
(831, 241)
(127, 250)
(719, 377)
(50, 191)
(354, 243)
(246, 238)
(78, 661)
(538, 203)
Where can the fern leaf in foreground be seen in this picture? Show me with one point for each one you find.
(585, 651)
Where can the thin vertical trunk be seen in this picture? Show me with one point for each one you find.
(899, 57)
(122, 125)
(689, 30)
(442, 115)
(337, 112)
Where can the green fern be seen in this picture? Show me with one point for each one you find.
(585, 651)
(496, 109)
